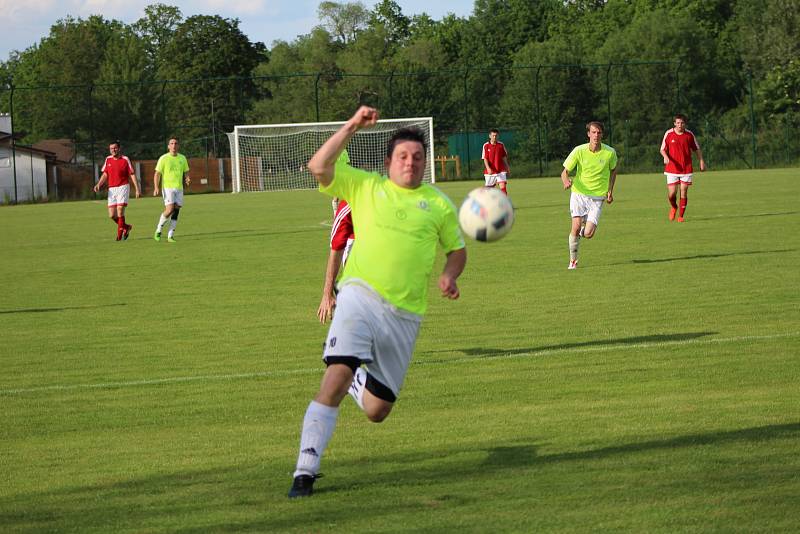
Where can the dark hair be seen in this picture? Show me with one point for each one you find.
(406, 134)
(680, 116)
(596, 124)
(115, 142)
(175, 138)
(494, 130)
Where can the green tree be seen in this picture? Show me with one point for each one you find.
(156, 29)
(343, 21)
(210, 64)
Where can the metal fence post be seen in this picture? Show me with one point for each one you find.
(539, 121)
(752, 119)
(466, 120)
(608, 102)
(13, 143)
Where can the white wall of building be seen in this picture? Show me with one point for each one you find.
(31, 176)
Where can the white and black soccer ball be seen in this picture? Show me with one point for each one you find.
(486, 214)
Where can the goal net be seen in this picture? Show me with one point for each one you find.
(273, 157)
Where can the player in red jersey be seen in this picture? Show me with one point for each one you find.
(495, 161)
(342, 238)
(676, 148)
(117, 169)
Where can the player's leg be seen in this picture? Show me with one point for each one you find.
(578, 210)
(319, 423)
(502, 183)
(592, 218)
(120, 208)
(684, 198)
(174, 215)
(169, 205)
(672, 193)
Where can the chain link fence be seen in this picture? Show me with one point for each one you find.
(540, 110)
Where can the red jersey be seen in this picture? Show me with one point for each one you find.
(119, 170)
(679, 148)
(494, 155)
(342, 231)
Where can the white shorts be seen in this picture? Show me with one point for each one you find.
(673, 179)
(492, 179)
(376, 332)
(173, 196)
(581, 205)
(118, 196)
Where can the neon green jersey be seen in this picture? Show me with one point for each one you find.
(171, 169)
(397, 231)
(344, 157)
(594, 169)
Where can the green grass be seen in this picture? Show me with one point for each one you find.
(149, 387)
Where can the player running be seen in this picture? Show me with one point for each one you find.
(175, 169)
(495, 162)
(117, 169)
(399, 222)
(676, 148)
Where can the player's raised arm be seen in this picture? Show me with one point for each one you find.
(454, 266)
(322, 164)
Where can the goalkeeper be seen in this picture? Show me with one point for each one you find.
(383, 293)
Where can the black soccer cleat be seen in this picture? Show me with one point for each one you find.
(303, 486)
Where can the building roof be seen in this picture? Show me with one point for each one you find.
(64, 149)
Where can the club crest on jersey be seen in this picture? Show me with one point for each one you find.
(423, 205)
(401, 214)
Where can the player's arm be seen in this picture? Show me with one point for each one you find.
(700, 156)
(100, 182)
(611, 181)
(663, 150)
(453, 267)
(135, 183)
(505, 162)
(156, 183)
(328, 302)
(565, 179)
(323, 163)
(186, 179)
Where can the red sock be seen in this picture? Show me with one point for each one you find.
(683, 206)
(503, 188)
(121, 222)
(672, 202)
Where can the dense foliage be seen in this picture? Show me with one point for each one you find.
(541, 67)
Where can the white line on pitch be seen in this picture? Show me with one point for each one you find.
(500, 355)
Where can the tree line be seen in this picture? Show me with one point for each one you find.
(519, 63)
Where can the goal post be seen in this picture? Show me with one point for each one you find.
(274, 157)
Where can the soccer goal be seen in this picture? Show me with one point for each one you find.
(273, 157)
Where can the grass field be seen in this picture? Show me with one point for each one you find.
(154, 387)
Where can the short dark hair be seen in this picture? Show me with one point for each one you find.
(680, 116)
(175, 138)
(406, 134)
(494, 130)
(596, 124)
(115, 142)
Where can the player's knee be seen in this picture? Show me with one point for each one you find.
(588, 233)
(378, 414)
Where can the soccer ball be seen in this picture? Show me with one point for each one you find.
(486, 214)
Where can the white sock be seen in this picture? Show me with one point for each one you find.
(573, 247)
(172, 224)
(358, 386)
(161, 222)
(318, 425)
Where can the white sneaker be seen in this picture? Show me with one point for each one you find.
(573, 264)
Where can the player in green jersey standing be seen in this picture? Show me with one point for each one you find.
(593, 183)
(382, 297)
(174, 168)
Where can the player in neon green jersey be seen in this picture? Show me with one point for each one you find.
(399, 222)
(594, 183)
(174, 168)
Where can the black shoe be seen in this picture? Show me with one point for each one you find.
(303, 486)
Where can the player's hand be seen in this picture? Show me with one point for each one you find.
(138, 194)
(326, 306)
(666, 160)
(365, 117)
(156, 191)
(702, 165)
(448, 286)
(187, 181)
(96, 189)
(567, 183)
(610, 197)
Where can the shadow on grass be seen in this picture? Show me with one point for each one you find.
(746, 215)
(482, 352)
(62, 308)
(707, 256)
(250, 498)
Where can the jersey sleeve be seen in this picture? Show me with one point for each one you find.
(664, 145)
(185, 164)
(345, 181)
(483, 151)
(342, 228)
(612, 162)
(105, 164)
(130, 165)
(572, 160)
(160, 165)
(693, 144)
